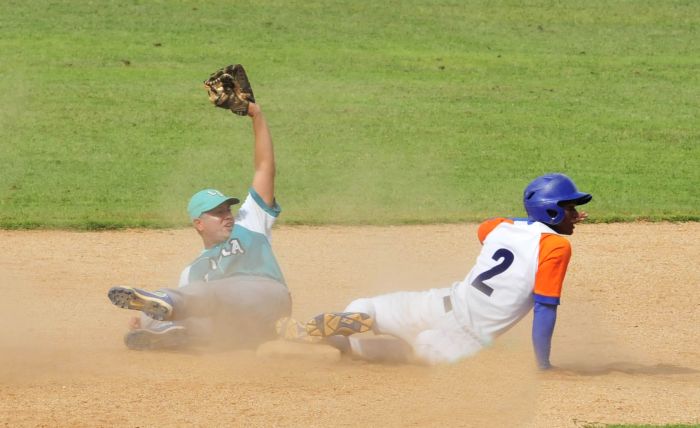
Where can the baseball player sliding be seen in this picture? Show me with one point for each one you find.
(522, 265)
(236, 279)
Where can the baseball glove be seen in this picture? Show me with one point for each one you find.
(229, 88)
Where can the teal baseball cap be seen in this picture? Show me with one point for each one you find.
(207, 199)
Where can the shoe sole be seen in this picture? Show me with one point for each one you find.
(339, 323)
(145, 340)
(292, 330)
(129, 298)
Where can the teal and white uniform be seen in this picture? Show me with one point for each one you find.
(248, 250)
(234, 292)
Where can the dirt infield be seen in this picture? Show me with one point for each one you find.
(627, 331)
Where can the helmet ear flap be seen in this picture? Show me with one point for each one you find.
(555, 215)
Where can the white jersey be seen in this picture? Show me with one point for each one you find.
(498, 291)
(520, 263)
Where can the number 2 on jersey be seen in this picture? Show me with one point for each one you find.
(507, 259)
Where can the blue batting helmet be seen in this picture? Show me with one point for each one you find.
(544, 196)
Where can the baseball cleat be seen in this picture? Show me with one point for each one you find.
(292, 330)
(155, 304)
(167, 336)
(339, 323)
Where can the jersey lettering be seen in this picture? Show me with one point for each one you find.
(506, 259)
(232, 247)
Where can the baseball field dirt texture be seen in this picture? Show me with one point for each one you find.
(627, 333)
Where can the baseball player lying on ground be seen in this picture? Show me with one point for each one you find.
(236, 280)
(522, 265)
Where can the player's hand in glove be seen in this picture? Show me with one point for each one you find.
(229, 88)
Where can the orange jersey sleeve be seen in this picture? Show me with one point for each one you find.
(487, 226)
(555, 253)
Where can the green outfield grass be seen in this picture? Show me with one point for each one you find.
(382, 112)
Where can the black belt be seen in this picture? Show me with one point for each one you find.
(447, 302)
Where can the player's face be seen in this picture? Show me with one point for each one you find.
(215, 225)
(571, 217)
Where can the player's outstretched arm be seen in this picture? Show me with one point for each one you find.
(264, 177)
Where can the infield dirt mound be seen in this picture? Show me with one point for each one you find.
(627, 332)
